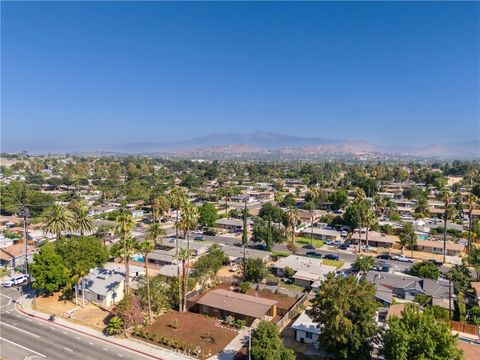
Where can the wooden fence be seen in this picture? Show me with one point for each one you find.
(464, 328)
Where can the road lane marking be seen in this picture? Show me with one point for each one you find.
(51, 327)
(17, 328)
(68, 349)
(23, 347)
(90, 343)
(65, 332)
(120, 355)
(76, 337)
(105, 349)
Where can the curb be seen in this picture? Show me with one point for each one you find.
(91, 335)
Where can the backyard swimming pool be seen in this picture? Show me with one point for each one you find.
(422, 237)
(138, 258)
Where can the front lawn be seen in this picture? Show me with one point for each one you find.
(307, 241)
(336, 263)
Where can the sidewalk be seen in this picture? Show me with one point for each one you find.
(233, 347)
(24, 305)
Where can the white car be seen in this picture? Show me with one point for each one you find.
(403, 258)
(16, 280)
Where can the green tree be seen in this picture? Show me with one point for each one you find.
(474, 315)
(474, 260)
(446, 197)
(48, 269)
(145, 248)
(293, 217)
(344, 309)
(256, 270)
(183, 256)
(363, 263)
(160, 205)
(207, 266)
(267, 344)
(82, 222)
(418, 335)
(163, 295)
(460, 276)
(245, 239)
(57, 220)
(408, 237)
(272, 212)
(125, 226)
(115, 326)
(208, 215)
(155, 232)
(426, 270)
(339, 199)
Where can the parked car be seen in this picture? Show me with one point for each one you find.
(332, 257)
(309, 246)
(199, 238)
(16, 280)
(338, 242)
(436, 262)
(403, 258)
(385, 257)
(260, 247)
(209, 232)
(314, 254)
(344, 234)
(343, 247)
(384, 267)
(329, 242)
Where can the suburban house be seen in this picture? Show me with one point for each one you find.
(406, 287)
(375, 239)
(306, 331)
(476, 289)
(231, 224)
(436, 247)
(14, 255)
(235, 253)
(5, 242)
(306, 216)
(222, 303)
(103, 287)
(322, 234)
(307, 270)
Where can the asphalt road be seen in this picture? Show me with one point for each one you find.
(23, 337)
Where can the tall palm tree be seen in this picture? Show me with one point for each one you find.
(472, 201)
(124, 231)
(103, 231)
(125, 251)
(189, 221)
(57, 220)
(154, 232)
(370, 220)
(183, 256)
(446, 197)
(360, 210)
(178, 197)
(83, 223)
(293, 218)
(145, 248)
(245, 239)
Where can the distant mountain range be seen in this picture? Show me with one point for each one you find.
(282, 144)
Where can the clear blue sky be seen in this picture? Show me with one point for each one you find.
(78, 76)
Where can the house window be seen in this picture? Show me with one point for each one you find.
(99, 297)
(308, 335)
(205, 309)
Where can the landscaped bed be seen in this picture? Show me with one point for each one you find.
(189, 330)
(284, 302)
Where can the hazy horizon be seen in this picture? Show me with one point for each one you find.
(90, 75)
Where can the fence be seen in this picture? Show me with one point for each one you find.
(286, 318)
(464, 328)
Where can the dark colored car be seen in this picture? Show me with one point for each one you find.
(313, 254)
(385, 257)
(343, 247)
(332, 257)
(200, 238)
(260, 247)
(309, 247)
(209, 232)
(436, 262)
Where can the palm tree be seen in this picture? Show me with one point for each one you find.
(360, 212)
(145, 248)
(446, 197)
(178, 197)
(154, 232)
(408, 237)
(188, 222)
(472, 200)
(183, 256)
(57, 220)
(83, 222)
(293, 218)
(124, 231)
(370, 220)
(245, 238)
(125, 252)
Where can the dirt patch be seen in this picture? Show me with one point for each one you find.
(90, 315)
(193, 330)
(284, 302)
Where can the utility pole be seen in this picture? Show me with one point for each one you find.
(25, 214)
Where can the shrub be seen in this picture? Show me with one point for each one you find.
(244, 287)
(230, 320)
(115, 326)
